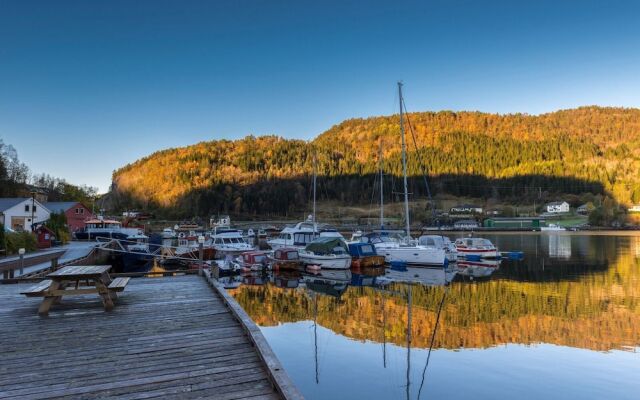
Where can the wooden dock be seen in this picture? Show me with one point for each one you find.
(169, 338)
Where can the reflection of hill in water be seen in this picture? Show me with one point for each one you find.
(599, 311)
(558, 256)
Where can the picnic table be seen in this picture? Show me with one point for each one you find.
(77, 280)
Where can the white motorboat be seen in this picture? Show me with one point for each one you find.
(440, 242)
(168, 233)
(227, 240)
(476, 247)
(230, 241)
(105, 229)
(328, 252)
(552, 228)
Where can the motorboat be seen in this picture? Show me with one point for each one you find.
(285, 258)
(552, 228)
(105, 229)
(254, 260)
(189, 247)
(364, 255)
(475, 247)
(301, 234)
(440, 242)
(230, 241)
(227, 240)
(327, 252)
(137, 253)
(168, 233)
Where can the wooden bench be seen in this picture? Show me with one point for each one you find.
(118, 284)
(38, 290)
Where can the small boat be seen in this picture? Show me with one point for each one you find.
(105, 229)
(254, 260)
(327, 252)
(285, 258)
(476, 247)
(168, 233)
(440, 242)
(364, 255)
(188, 247)
(552, 228)
(227, 240)
(137, 255)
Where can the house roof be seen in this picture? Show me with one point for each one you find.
(60, 206)
(556, 203)
(8, 202)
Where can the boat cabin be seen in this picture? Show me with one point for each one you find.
(358, 250)
(254, 257)
(476, 243)
(286, 254)
(434, 241)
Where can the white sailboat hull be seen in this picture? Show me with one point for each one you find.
(412, 255)
(330, 261)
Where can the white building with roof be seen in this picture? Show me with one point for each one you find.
(17, 212)
(558, 207)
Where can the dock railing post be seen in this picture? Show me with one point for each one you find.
(21, 253)
(201, 254)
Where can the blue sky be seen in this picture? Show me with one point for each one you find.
(88, 86)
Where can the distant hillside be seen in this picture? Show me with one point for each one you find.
(586, 150)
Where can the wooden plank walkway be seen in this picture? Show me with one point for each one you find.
(169, 338)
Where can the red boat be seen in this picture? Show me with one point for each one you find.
(286, 258)
(254, 260)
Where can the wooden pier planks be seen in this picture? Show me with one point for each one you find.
(170, 338)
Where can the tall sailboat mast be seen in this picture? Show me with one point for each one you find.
(315, 176)
(381, 190)
(404, 165)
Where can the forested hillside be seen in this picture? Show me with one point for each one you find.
(512, 157)
(16, 180)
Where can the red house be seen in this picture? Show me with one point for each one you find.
(76, 213)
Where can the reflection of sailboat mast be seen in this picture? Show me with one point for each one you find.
(384, 335)
(315, 335)
(408, 340)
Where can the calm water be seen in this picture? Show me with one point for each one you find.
(564, 322)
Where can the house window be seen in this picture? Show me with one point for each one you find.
(77, 211)
(82, 211)
(26, 208)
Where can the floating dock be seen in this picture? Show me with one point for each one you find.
(167, 338)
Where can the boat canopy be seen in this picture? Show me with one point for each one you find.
(327, 245)
(362, 250)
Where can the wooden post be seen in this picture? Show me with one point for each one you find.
(201, 257)
(54, 264)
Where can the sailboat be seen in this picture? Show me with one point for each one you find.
(407, 251)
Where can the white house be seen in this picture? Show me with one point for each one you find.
(16, 213)
(466, 209)
(635, 208)
(558, 207)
